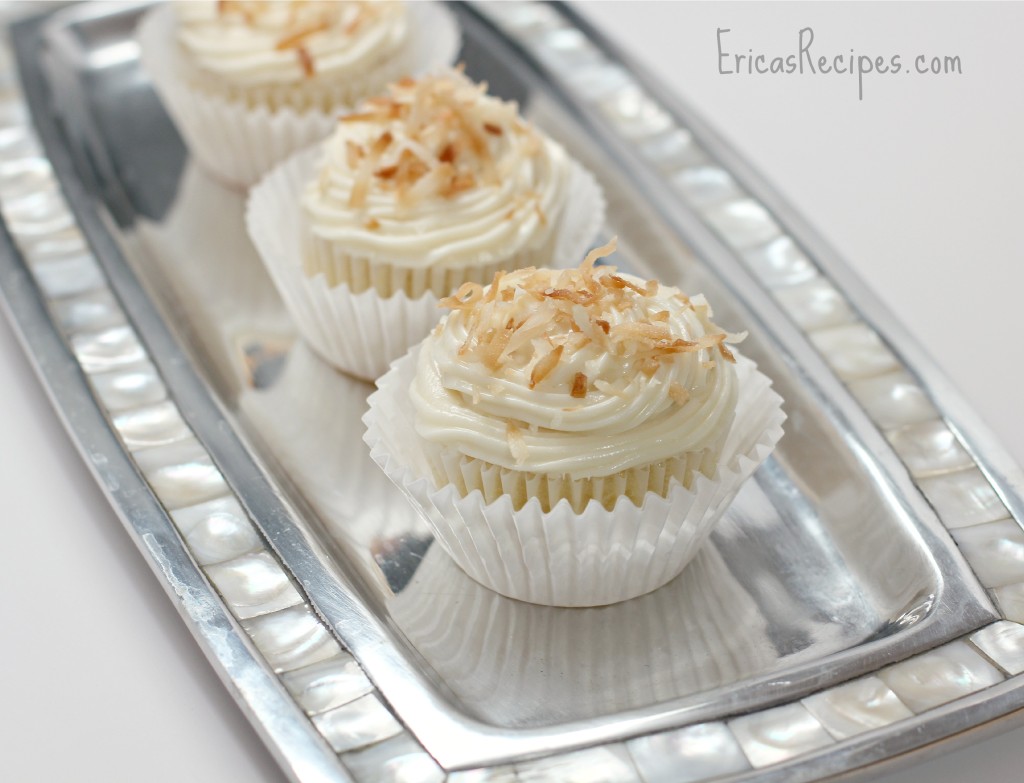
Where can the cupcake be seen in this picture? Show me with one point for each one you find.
(249, 83)
(429, 186)
(572, 435)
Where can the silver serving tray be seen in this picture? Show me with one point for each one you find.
(855, 605)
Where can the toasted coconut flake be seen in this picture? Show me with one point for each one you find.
(469, 294)
(679, 394)
(516, 443)
(543, 368)
(381, 143)
(357, 196)
(621, 282)
(600, 252)
(306, 61)
(372, 224)
(495, 346)
(579, 386)
(728, 355)
(492, 290)
(441, 120)
(649, 366)
(354, 153)
(640, 331)
(297, 37)
(661, 315)
(458, 183)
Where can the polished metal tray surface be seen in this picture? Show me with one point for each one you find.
(860, 600)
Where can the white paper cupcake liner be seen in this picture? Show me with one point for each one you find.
(492, 481)
(237, 141)
(561, 557)
(363, 333)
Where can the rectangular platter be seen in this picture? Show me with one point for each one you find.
(859, 602)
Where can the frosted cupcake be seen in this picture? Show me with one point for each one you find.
(429, 186)
(249, 83)
(572, 435)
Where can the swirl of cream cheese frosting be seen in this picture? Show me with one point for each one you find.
(626, 375)
(257, 43)
(437, 173)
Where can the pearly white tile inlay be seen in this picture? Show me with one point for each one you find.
(854, 351)
(929, 449)
(635, 115)
(328, 684)
(940, 676)
(995, 551)
(67, 277)
(963, 498)
(672, 150)
(704, 187)
(687, 755)
(92, 311)
(111, 349)
(291, 638)
(357, 724)
(253, 585)
(395, 760)
(893, 400)
(780, 733)
(607, 764)
(1010, 600)
(1003, 642)
(780, 263)
(855, 707)
(216, 530)
(181, 474)
(743, 223)
(129, 387)
(815, 304)
(153, 425)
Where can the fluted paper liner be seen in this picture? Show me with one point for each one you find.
(362, 333)
(560, 557)
(493, 481)
(238, 142)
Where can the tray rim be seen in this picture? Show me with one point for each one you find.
(70, 407)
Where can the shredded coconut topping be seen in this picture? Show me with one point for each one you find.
(541, 317)
(304, 21)
(435, 136)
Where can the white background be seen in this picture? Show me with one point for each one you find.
(919, 186)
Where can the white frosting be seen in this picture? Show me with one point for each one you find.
(631, 416)
(519, 182)
(254, 44)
